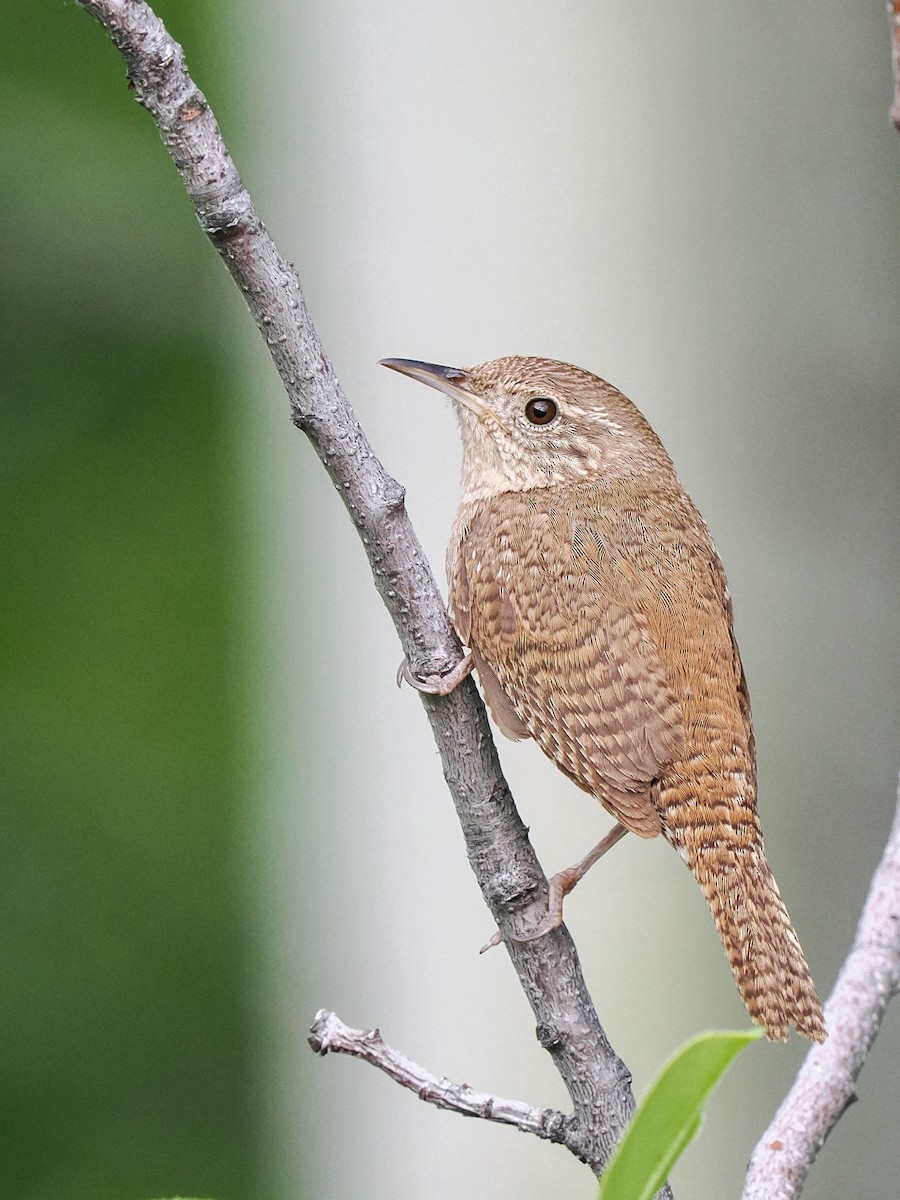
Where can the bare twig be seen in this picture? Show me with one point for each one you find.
(504, 863)
(824, 1086)
(894, 13)
(330, 1034)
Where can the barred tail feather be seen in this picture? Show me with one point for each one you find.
(759, 939)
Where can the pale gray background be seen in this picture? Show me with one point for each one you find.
(699, 202)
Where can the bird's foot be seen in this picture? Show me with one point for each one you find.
(436, 685)
(560, 885)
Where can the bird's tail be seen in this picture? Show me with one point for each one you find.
(759, 939)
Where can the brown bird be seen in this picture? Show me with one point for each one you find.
(589, 591)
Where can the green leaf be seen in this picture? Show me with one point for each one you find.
(669, 1117)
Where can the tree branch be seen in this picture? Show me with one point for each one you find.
(330, 1034)
(824, 1086)
(501, 856)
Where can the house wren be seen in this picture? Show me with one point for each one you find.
(586, 585)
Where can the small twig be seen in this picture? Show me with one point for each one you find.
(508, 872)
(330, 1034)
(894, 13)
(825, 1084)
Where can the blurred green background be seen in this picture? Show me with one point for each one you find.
(218, 814)
(124, 1037)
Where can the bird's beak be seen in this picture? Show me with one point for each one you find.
(449, 380)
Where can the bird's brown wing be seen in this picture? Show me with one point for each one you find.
(548, 608)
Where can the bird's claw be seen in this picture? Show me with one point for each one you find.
(495, 941)
(551, 921)
(560, 885)
(436, 685)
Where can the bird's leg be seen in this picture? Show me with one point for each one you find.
(561, 884)
(436, 685)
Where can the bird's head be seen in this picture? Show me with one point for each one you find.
(533, 422)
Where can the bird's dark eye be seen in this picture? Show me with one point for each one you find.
(541, 410)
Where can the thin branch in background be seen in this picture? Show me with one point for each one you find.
(894, 14)
(329, 1034)
(508, 873)
(824, 1087)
